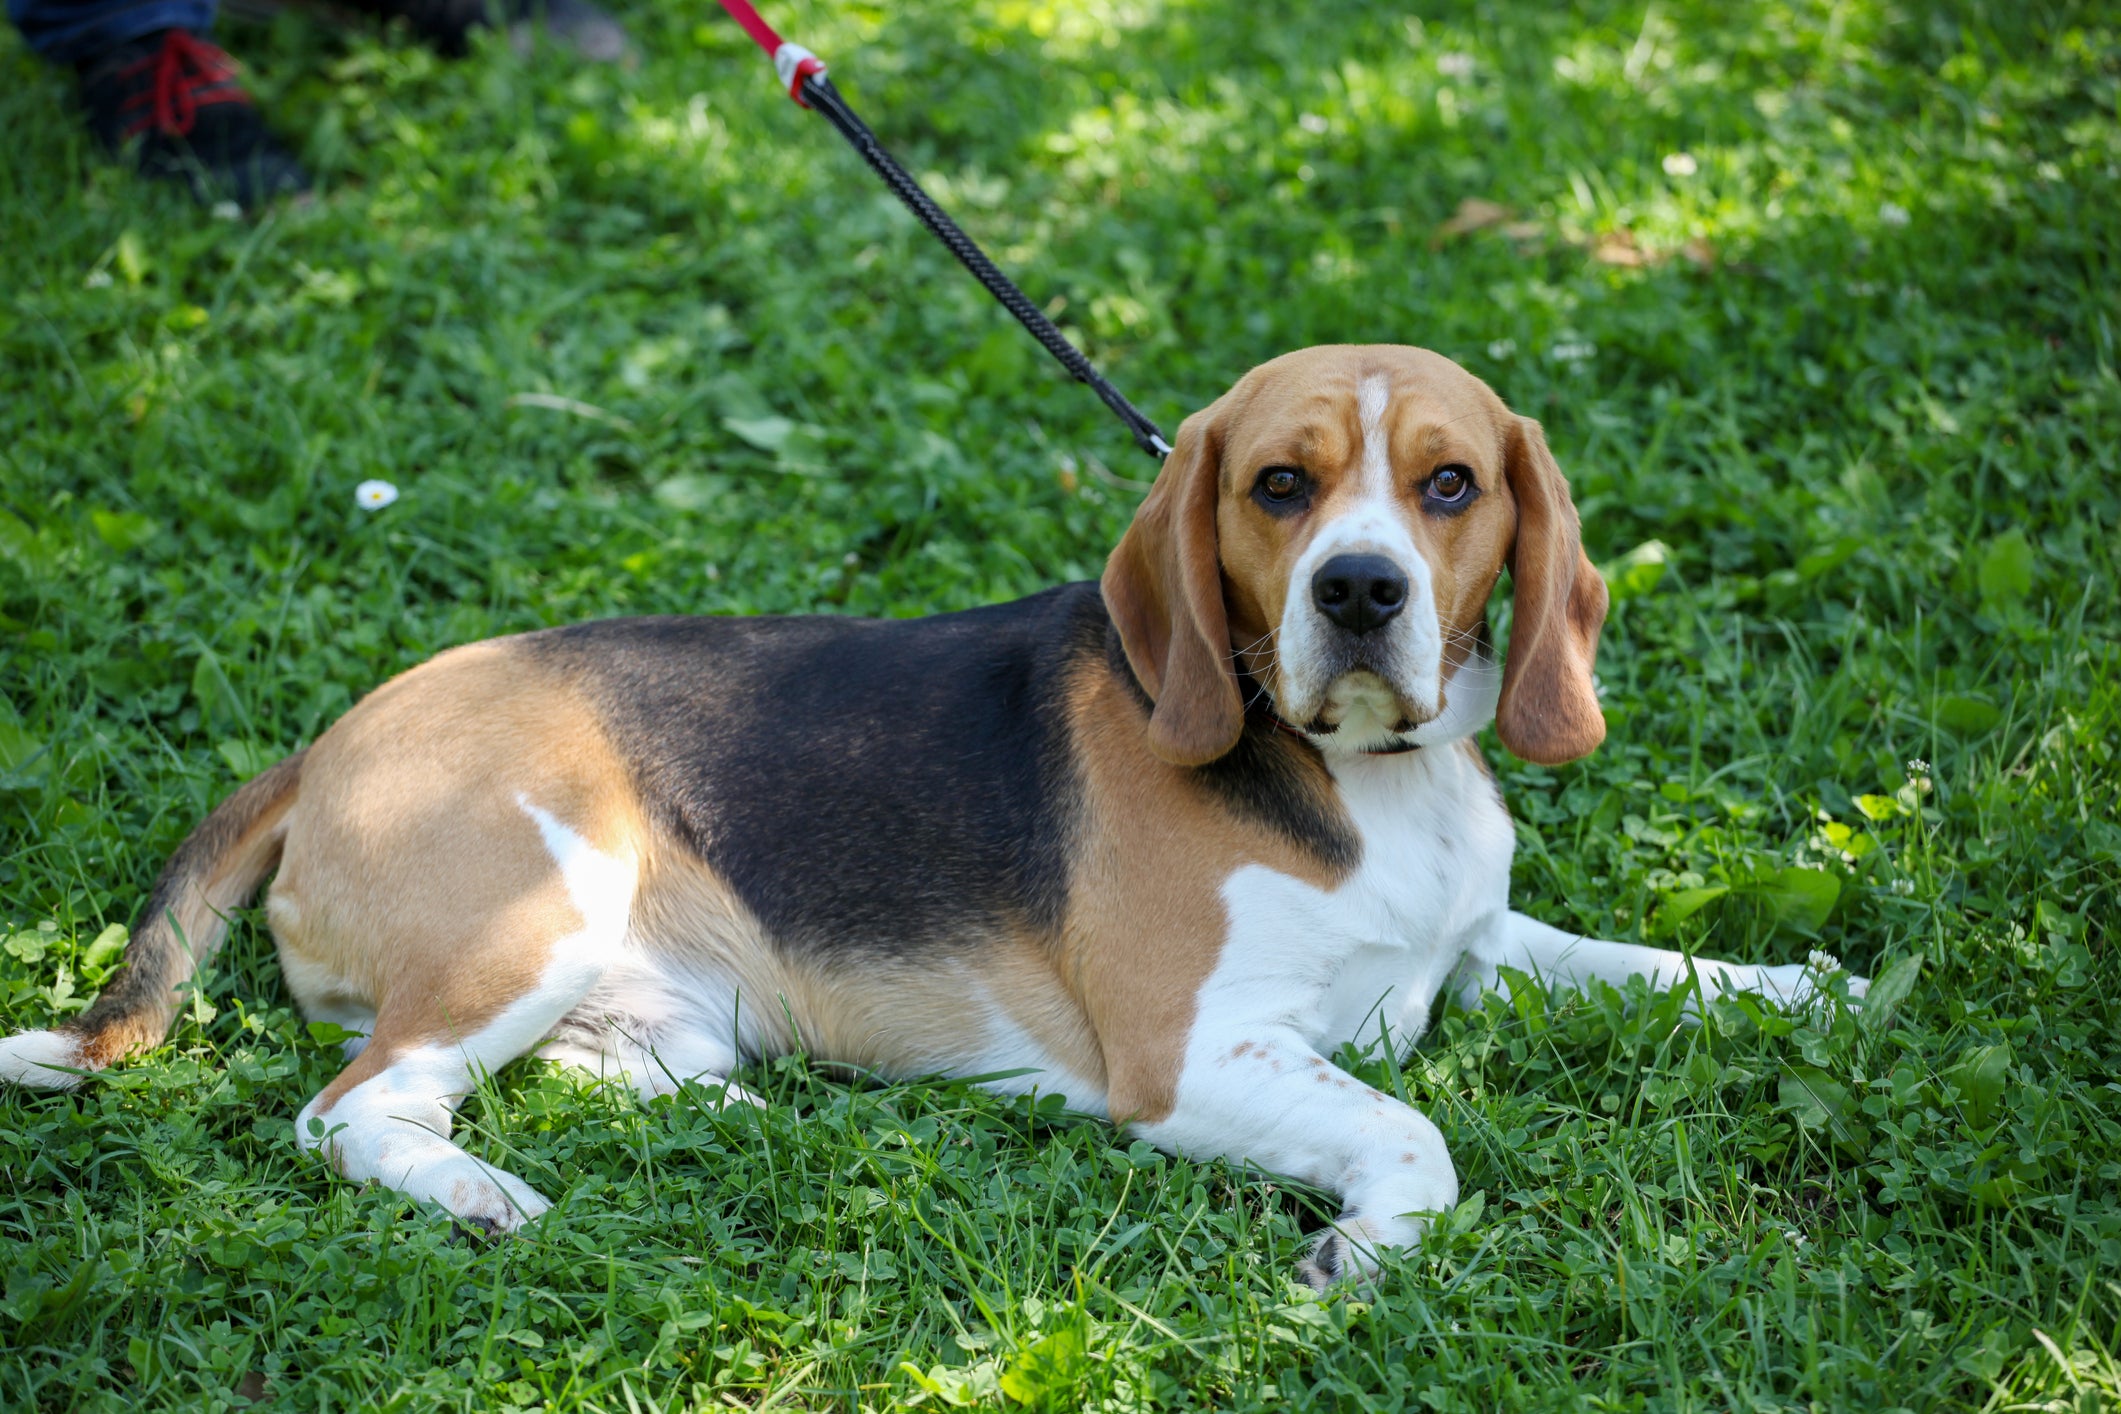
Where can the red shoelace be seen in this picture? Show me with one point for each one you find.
(190, 74)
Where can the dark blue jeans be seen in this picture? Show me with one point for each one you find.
(68, 31)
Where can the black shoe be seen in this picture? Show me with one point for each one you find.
(176, 96)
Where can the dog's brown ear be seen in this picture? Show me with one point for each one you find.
(1549, 709)
(1163, 588)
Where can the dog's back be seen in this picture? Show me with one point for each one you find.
(864, 786)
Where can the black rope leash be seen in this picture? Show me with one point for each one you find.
(826, 99)
(803, 73)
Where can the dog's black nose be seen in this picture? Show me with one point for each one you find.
(1359, 592)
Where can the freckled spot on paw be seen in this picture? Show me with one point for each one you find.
(1373, 1094)
(1408, 1159)
(460, 1194)
(1242, 1048)
(1321, 1077)
(1314, 1061)
(1340, 1084)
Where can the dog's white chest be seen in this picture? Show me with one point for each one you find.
(1333, 964)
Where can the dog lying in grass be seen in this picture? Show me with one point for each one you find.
(1161, 843)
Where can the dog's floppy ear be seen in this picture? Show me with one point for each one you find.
(1163, 588)
(1549, 709)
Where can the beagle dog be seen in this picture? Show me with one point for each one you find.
(1160, 843)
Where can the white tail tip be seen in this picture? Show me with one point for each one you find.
(41, 1060)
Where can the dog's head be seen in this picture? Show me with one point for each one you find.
(1332, 526)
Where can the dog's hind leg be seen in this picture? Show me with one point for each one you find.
(387, 1118)
(485, 942)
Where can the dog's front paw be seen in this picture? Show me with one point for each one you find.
(486, 1200)
(1349, 1250)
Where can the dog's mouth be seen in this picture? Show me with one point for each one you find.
(1362, 694)
(1357, 704)
(1361, 699)
(1362, 710)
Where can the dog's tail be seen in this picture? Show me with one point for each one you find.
(217, 868)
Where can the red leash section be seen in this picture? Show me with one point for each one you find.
(792, 62)
(803, 74)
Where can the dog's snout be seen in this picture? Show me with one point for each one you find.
(1359, 592)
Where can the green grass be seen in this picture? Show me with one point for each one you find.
(1840, 408)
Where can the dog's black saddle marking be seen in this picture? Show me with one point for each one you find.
(874, 786)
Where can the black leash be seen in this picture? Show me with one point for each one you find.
(826, 99)
(803, 73)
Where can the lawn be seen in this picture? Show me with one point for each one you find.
(1818, 303)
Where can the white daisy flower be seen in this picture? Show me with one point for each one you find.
(1573, 351)
(1502, 348)
(1822, 962)
(97, 280)
(374, 495)
(227, 211)
(1454, 66)
(1680, 164)
(1892, 213)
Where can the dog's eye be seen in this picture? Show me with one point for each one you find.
(1450, 487)
(1281, 486)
